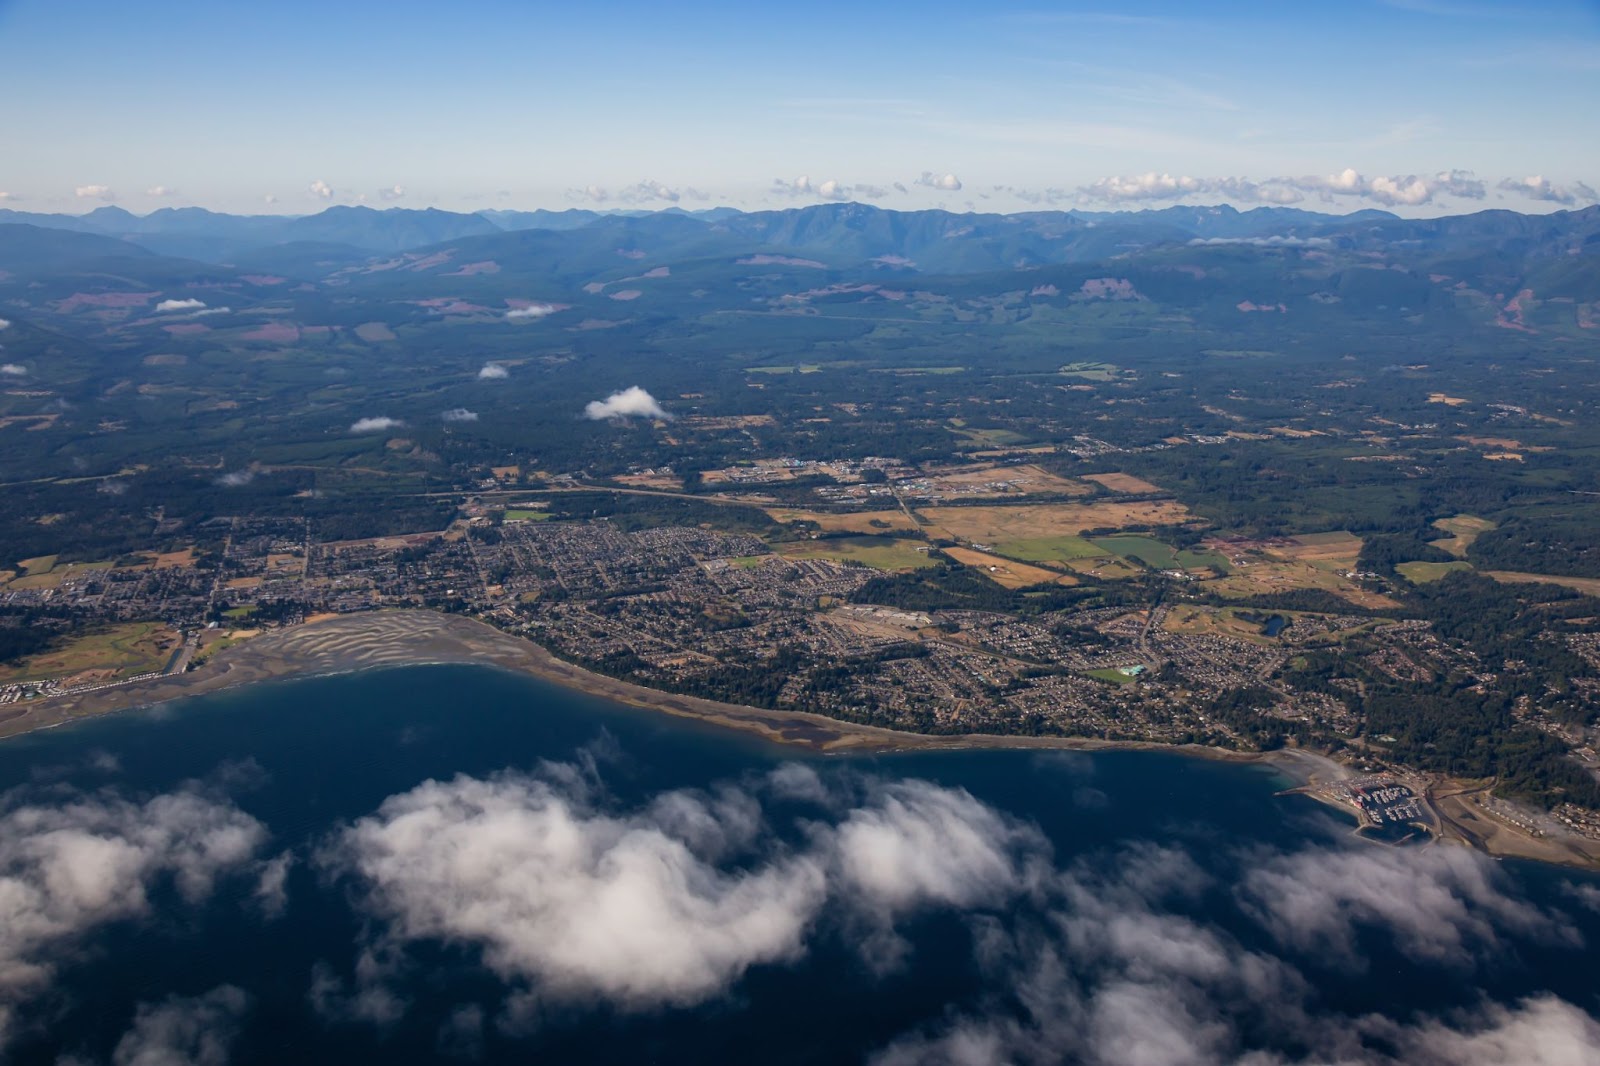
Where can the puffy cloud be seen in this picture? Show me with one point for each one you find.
(94, 192)
(1151, 186)
(800, 186)
(459, 414)
(532, 311)
(237, 478)
(12, 370)
(180, 305)
(375, 424)
(161, 192)
(1538, 187)
(493, 372)
(832, 190)
(192, 1031)
(72, 862)
(393, 192)
(321, 190)
(1396, 191)
(5, 323)
(944, 182)
(577, 903)
(632, 402)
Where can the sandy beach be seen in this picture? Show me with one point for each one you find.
(378, 639)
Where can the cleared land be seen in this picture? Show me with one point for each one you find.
(1031, 522)
(1118, 482)
(1254, 575)
(1422, 573)
(990, 480)
(1154, 553)
(882, 553)
(1339, 549)
(1588, 585)
(42, 573)
(1005, 572)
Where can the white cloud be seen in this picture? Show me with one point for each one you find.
(321, 190)
(74, 864)
(393, 192)
(942, 182)
(800, 186)
(628, 403)
(375, 424)
(493, 372)
(8, 197)
(180, 305)
(237, 478)
(5, 323)
(532, 311)
(1149, 186)
(94, 192)
(161, 191)
(832, 190)
(13, 370)
(459, 414)
(1541, 188)
(871, 192)
(184, 1031)
(269, 199)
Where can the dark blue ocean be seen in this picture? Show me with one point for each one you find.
(587, 882)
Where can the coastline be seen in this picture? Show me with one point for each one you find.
(393, 638)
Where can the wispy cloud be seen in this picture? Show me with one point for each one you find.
(13, 370)
(375, 424)
(646, 191)
(161, 192)
(320, 189)
(459, 414)
(94, 192)
(1408, 190)
(632, 402)
(531, 311)
(393, 192)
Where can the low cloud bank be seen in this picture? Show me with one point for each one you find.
(375, 424)
(493, 372)
(632, 402)
(532, 311)
(13, 370)
(180, 305)
(459, 414)
(1114, 958)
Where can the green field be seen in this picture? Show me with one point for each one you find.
(800, 368)
(1422, 573)
(1154, 553)
(882, 553)
(1050, 549)
(1114, 676)
(128, 649)
(517, 514)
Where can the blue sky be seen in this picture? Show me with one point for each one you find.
(1423, 106)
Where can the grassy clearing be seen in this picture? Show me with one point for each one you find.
(111, 653)
(881, 553)
(1050, 549)
(40, 577)
(798, 368)
(518, 514)
(1114, 676)
(1422, 573)
(1268, 575)
(1090, 371)
(1154, 553)
(1463, 530)
(1119, 482)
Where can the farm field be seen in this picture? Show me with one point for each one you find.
(866, 523)
(1463, 530)
(881, 553)
(1002, 525)
(1161, 556)
(991, 480)
(1005, 572)
(1052, 549)
(43, 573)
(114, 652)
(519, 514)
(1339, 549)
